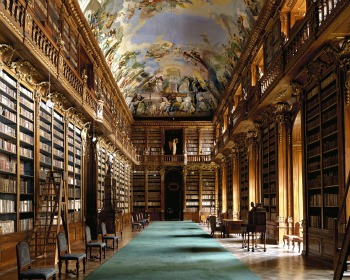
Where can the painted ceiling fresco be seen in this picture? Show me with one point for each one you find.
(171, 58)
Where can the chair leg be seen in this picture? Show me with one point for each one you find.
(77, 267)
(84, 261)
(66, 267)
(59, 268)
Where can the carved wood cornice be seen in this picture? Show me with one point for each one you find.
(265, 117)
(6, 54)
(175, 125)
(344, 56)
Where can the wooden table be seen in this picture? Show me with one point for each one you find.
(232, 226)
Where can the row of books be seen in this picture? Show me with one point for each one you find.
(8, 163)
(26, 206)
(6, 129)
(27, 103)
(7, 206)
(8, 184)
(26, 224)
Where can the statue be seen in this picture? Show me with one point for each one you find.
(172, 145)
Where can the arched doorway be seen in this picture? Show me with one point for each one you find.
(173, 195)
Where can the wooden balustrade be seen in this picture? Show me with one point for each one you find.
(299, 42)
(16, 10)
(168, 159)
(43, 44)
(272, 75)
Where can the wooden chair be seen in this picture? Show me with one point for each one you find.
(142, 217)
(135, 225)
(106, 237)
(89, 245)
(214, 226)
(289, 237)
(24, 270)
(297, 240)
(64, 255)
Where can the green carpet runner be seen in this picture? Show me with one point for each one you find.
(173, 250)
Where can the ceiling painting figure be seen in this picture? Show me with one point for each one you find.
(171, 57)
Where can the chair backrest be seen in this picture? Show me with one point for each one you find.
(23, 256)
(244, 215)
(297, 229)
(87, 234)
(62, 242)
(103, 228)
(212, 222)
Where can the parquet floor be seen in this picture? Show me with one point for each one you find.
(277, 263)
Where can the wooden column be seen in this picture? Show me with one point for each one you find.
(200, 141)
(146, 189)
(285, 199)
(200, 192)
(224, 185)
(216, 194)
(184, 136)
(37, 100)
(162, 135)
(235, 181)
(345, 66)
(162, 193)
(146, 151)
(91, 181)
(253, 165)
(184, 175)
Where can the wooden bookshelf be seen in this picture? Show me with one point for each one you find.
(74, 147)
(229, 187)
(208, 192)
(207, 140)
(26, 129)
(138, 138)
(154, 141)
(192, 142)
(323, 138)
(243, 179)
(269, 170)
(16, 156)
(102, 158)
(138, 190)
(192, 193)
(153, 191)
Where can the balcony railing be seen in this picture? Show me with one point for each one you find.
(174, 159)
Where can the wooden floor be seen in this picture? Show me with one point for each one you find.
(276, 263)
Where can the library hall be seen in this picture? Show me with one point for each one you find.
(175, 139)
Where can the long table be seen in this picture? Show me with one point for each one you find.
(233, 226)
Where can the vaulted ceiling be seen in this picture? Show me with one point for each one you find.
(172, 58)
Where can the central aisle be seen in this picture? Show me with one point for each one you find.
(173, 250)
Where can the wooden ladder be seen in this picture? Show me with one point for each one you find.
(341, 267)
(51, 212)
